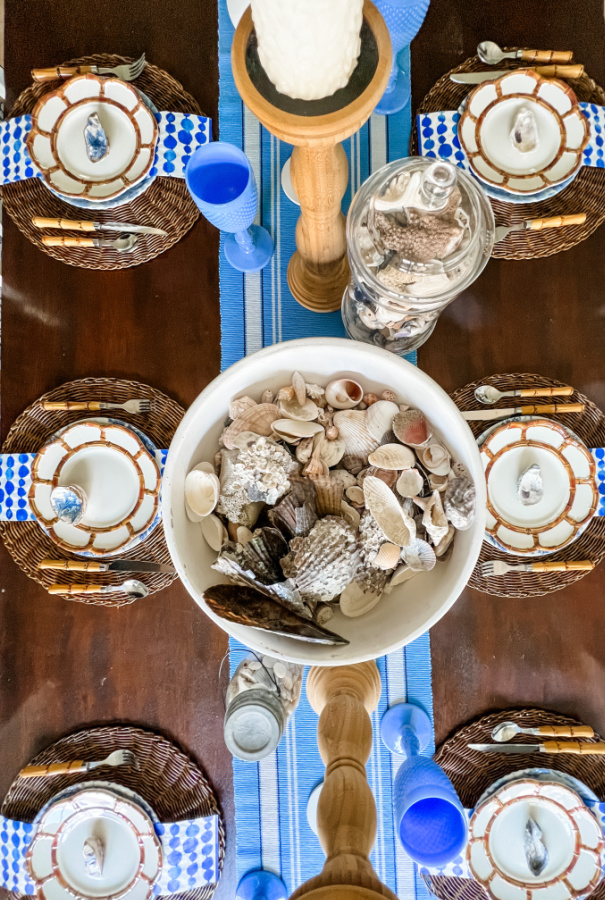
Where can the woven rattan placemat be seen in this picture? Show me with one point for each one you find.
(472, 772)
(590, 427)
(165, 204)
(585, 194)
(27, 543)
(173, 785)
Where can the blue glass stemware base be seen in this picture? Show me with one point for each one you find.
(398, 722)
(259, 884)
(249, 255)
(393, 101)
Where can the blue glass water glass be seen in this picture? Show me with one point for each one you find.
(220, 179)
(259, 884)
(429, 816)
(403, 19)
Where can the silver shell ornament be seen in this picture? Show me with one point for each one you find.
(93, 852)
(95, 139)
(530, 486)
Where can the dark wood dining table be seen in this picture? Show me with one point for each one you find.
(156, 663)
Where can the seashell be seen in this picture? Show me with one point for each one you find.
(530, 486)
(330, 451)
(240, 405)
(347, 478)
(410, 483)
(292, 430)
(350, 514)
(285, 393)
(304, 412)
(323, 613)
(435, 458)
(387, 557)
(392, 456)
(267, 396)
(411, 427)
(316, 467)
(459, 502)
(244, 440)
(379, 418)
(389, 476)
(445, 543)
(323, 563)
(258, 418)
(202, 489)
(329, 496)
(317, 393)
(369, 399)
(524, 134)
(96, 141)
(389, 395)
(355, 494)
(262, 554)
(304, 449)
(246, 606)
(395, 524)
(419, 556)
(325, 417)
(344, 393)
(215, 533)
(295, 514)
(402, 574)
(433, 517)
(354, 601)
(300, 388)
(359, 443)
(93, 852)
(438, 482)
(231, 563)
(332, 432)
(243, 535)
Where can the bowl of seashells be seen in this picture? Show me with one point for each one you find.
(324, 501)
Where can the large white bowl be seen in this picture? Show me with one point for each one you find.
(412, 607)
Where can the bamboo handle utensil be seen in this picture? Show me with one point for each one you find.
(57, 72)
(546, 56)
(77, 589)
(66, 768)
(568, 731)
(73, 565)
(574, 71)
(566, 391)
(488, 415)
(556, 222)
(63, 224)
(575, 747)
(564, 566)
(66, 405)
(554, 408)
(60, 241)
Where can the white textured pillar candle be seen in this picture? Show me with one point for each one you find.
(308, 48)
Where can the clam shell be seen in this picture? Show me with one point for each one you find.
(243, 535)
(410, 483)
(419, 556)
(300, 388)
(202, 489)
(329, 496)
(331, 452)
(459, 502)
(304, 412)
(435, 458)
(355, 494)
(433, 517)
(350, 514)
(402, 574)
(392, 456)
(347, 478)
(292, 430)
(387, 557)
(411, 427)
(379, 417)
(359, 443)
(395, 524)
(354, 601)
(240, 405)
(258, 418)
(344, 393)
(215, 533)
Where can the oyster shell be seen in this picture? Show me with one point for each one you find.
(379, 418)
(459, 502)
(392, 456)
(323, 563)
(355, 601)
(306, 411)
(202, 490)
(359, 443)
(395, 524)
(434, 519)
(530, 486)
(246, 606)
(524, 133)
(240, 405)
(411, 428)
(419, 556)
(435, 458)
(344, 393)
(215, 533)
(93, 852)
(95, 139)
(258, 418)
(387, 557)
(329, 496)
(284, 592)
(410, 483)
(292, 430)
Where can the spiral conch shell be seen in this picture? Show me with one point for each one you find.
(395, 524)
(202, 489)
(258, 418)
(344, 393)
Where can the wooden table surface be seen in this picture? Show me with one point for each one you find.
(155, 663)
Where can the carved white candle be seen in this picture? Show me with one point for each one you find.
(308, 48)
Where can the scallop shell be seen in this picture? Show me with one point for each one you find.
(411, 427)
(329, 496)
(395, 524)
(215, 533)
(459, 502)
(304, 412)
(344, 393)
(202, 489)
(392, 456)
(355, 494)
(330, 451)
(240, 405)
(292, 430)
(410, 483)
(435, 458)
(354, 601)
(402, 574)
(300, 388)
(350, 514)
(444, 545)
(387, 557)
(379, 417)
(323, 563)
(359, 443)
(258, 418)
(419, 556)
(231, 563)
(347, 478)
(433, 516)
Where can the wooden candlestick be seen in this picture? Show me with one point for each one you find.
(318, 272)
(346, 816)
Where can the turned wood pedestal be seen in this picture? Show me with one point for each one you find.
(318, 272)
(343, 697)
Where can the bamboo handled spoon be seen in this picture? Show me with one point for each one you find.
(488, 394)
(507, 730)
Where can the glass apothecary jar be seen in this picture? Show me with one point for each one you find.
(419, 232)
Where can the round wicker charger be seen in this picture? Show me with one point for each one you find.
(590, 427)
(472, 772)
(165, 204)
(585, 194)
(173, 785)
(27, 543)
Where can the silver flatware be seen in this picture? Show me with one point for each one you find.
(117, 758)
(124, 244)
(491, 54)
(496, 567)
(131, 586)
(574, 71)
(488, 394)
(507, 730)
(116, 565)
(487, 415)
(131, 406)
(86, 225)
(554, 747)
(125, 72)
(503, 231)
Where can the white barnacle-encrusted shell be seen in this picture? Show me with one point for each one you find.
(202, 488)
(323, 563)
(344, 393)
(258, 418)
(387, 557)
(433, 516)
(395, 524)
(435, 458)
(379, 417)
(306, 411)
(410, 483)
(215, 533)
(354, 601)
(419, 556)
(292, 430)
(359, 443)
(392, 456)
(240, 405)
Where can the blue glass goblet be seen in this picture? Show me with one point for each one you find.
(403, 19)
(429, 816)
(258, 884)
(221, 182)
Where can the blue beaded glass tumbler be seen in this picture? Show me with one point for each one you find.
(220, 179)
(429, 816)
(403, 19)
(259, 884)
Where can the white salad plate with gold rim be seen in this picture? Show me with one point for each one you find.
(523, 133)
(114, 465)
(570, 494)
(569, 832)
(94, 844)
(58, 146)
